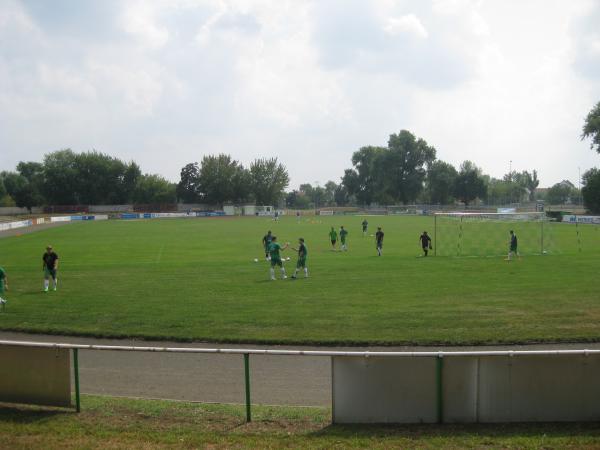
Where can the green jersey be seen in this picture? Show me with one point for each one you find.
(333, 235)
(2, 279)
(274, 248)
(343, 234)
(302, 251)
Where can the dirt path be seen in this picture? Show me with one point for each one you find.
(276, 380)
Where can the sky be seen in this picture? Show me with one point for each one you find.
(504, 83)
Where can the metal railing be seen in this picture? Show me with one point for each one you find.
(283, 352)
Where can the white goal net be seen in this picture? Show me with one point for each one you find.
(487, 234)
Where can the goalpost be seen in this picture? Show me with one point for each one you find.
(487, 234)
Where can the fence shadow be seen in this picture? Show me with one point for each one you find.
(556, 429)
(26, 415)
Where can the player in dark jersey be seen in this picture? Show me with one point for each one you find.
(379, 240)
(365, 227)
(302, 252)
(512, 246)
(266, 241)
(425, 243)
(50, 268)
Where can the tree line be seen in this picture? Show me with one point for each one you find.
(89, 178)
(406, 171)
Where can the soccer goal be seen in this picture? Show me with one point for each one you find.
(487, 234)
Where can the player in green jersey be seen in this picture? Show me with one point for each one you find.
(3, 287)
(365, 226)
(333, 238)
(301, 263)
(343, 234)
(274, 249)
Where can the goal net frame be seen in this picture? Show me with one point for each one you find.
(512, 219)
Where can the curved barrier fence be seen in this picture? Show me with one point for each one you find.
(367, 387)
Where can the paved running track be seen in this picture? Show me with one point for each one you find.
(275, 380)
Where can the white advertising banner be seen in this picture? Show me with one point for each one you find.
(60, 219)
(572, 218)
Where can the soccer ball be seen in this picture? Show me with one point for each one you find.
(287, 259)
(255, 259)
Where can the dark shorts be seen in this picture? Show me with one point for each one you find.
(301, 262)
(276, 262)
(379, 244)
(50, 272)
(333, 241)
(513, 249)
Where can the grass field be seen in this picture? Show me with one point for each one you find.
(124, 423)
(196, 279)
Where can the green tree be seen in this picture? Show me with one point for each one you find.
(591, 190)
(528, 181)
(5, 199)
(241, 186)
(561, 193)
(341, 196)
(439, 182)
(268, 180)
(469, 184)
(34, 173)
(329, 193)
(99, 179)
(19, 190)
(404, 166)
(219, 176)
(188, 188)
(297, 200)
(130, 180)
(154, 189)
(591, 127)
(365, 179)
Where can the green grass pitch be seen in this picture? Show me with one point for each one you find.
(196, 279)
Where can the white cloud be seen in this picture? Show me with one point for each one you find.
(408, 23)
(167, 81)
(139, 19)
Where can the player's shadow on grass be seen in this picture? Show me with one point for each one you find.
(36, 293)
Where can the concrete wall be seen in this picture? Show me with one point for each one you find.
(13, 210)
(38, 376)
(549, 388)
(110, 208)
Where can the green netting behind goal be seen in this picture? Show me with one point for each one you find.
(471, 234)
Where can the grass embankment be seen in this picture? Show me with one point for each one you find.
(126, 423)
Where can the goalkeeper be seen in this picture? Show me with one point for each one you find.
(425, 243)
